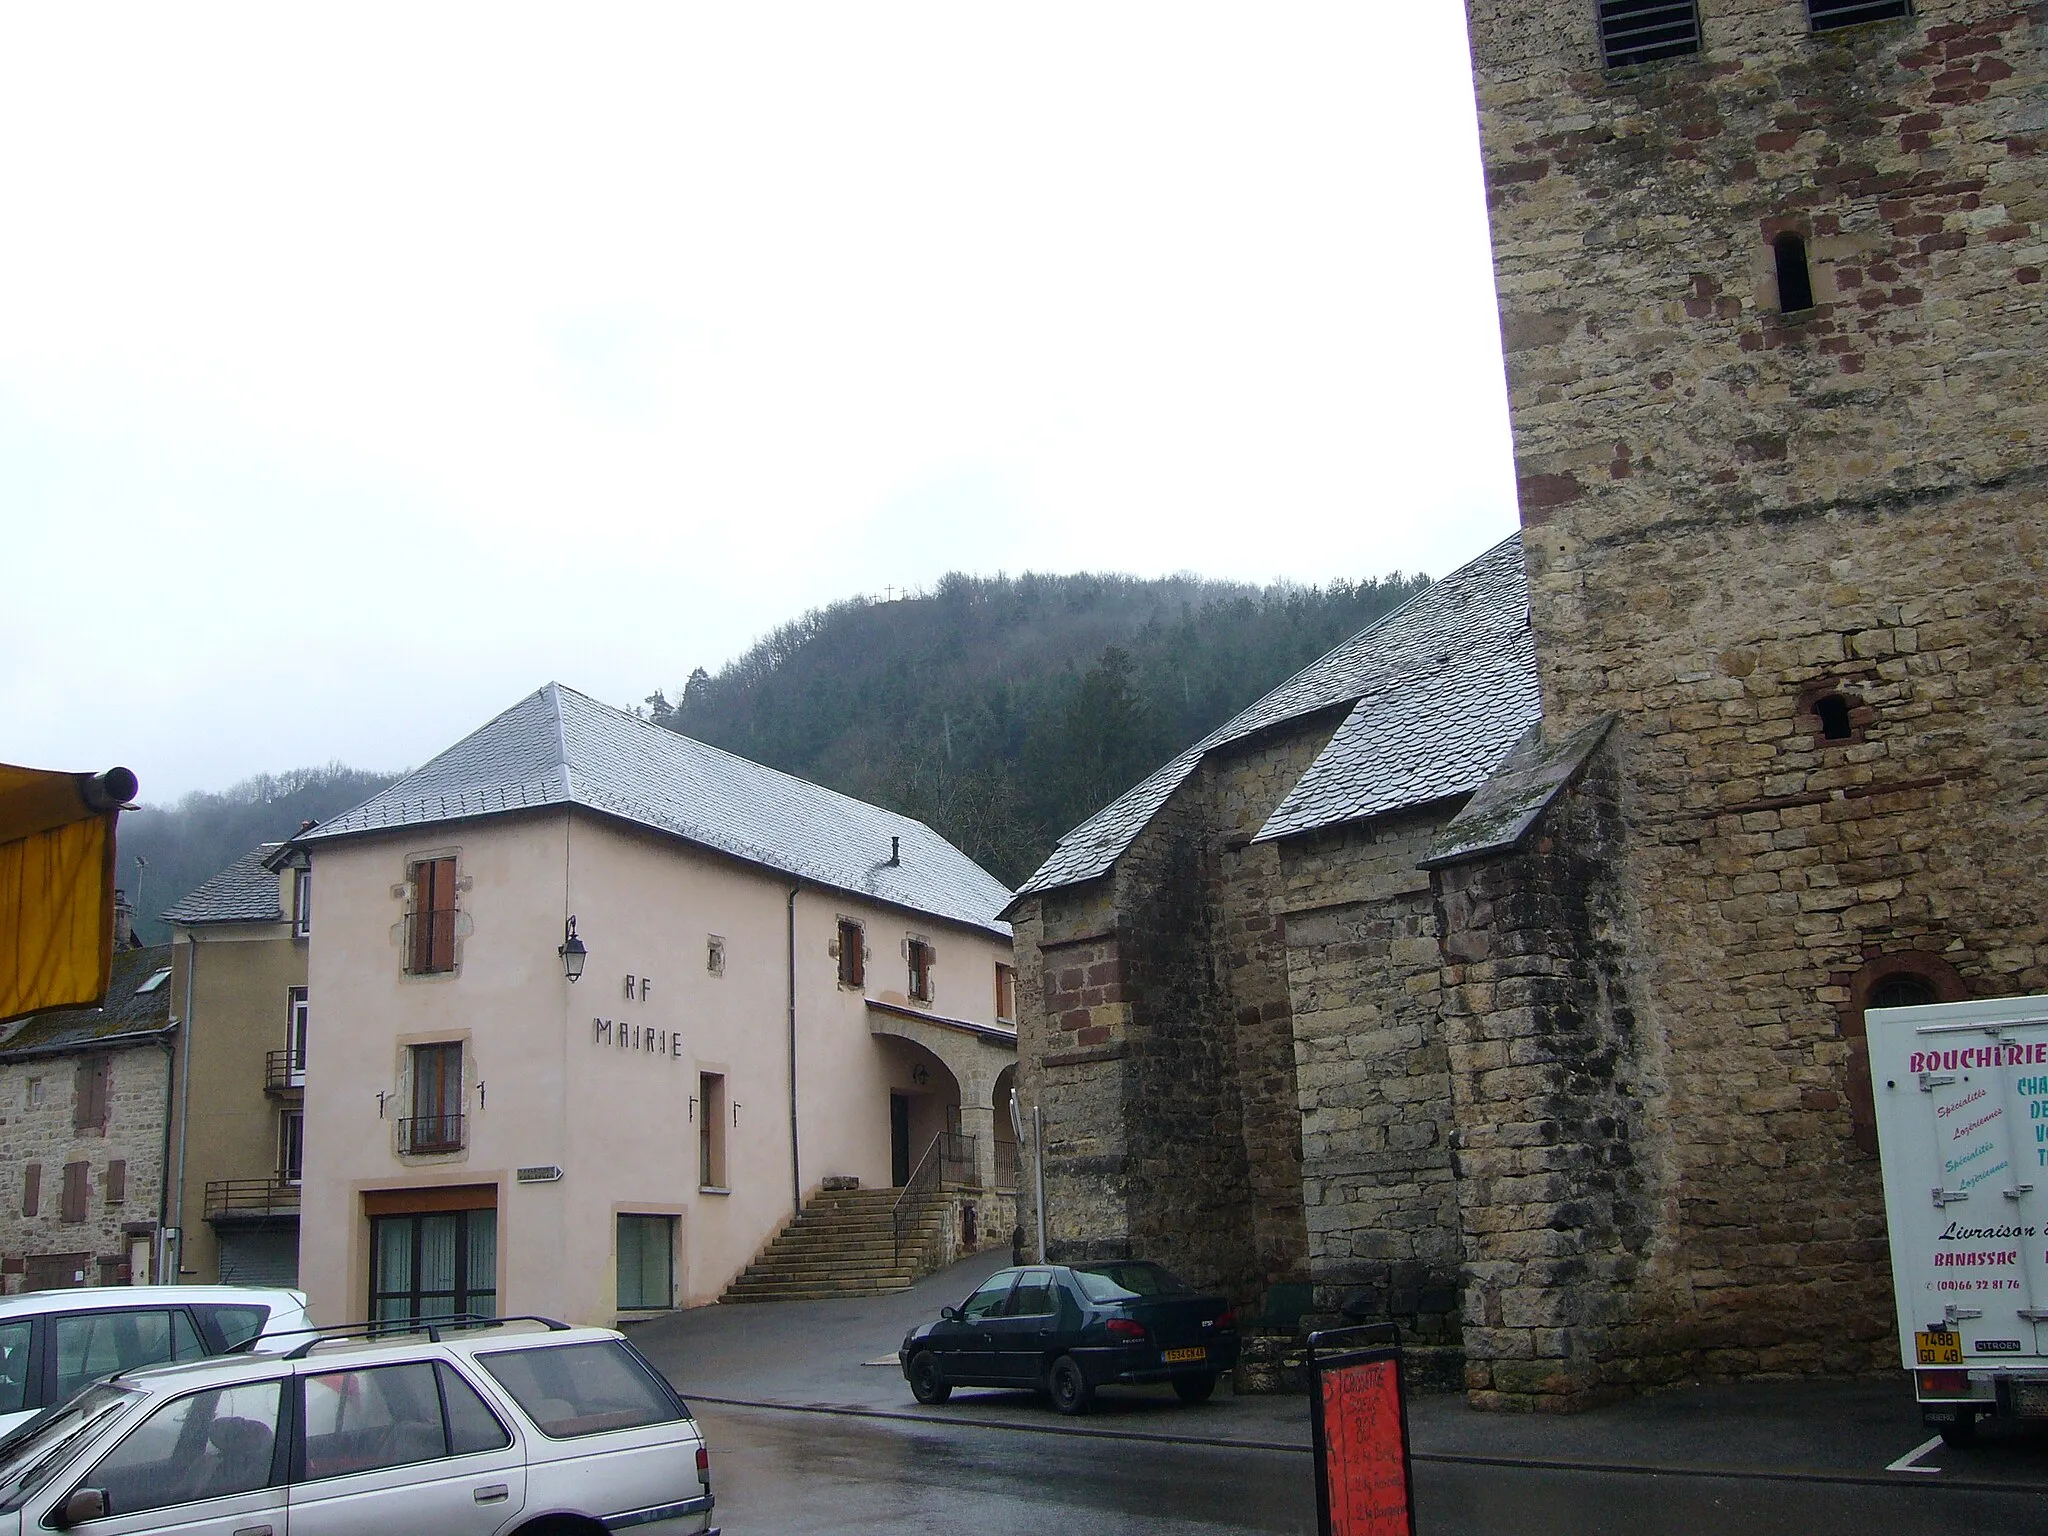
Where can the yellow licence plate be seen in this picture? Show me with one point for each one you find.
(1938, 1346)
(1179, 1356)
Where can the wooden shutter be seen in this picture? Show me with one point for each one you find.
(433, 919)
(74, 1192)
(89, 1094)
(32, 1189)
(117, 1181)
(853, 969)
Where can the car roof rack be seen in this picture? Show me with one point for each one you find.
(394, 1327)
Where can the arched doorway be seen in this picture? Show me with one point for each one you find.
(1903, 979)
(924, 1103)
(1006, 1129)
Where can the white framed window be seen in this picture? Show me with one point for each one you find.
(291, 1146)
(297, 1013)
(302, 902)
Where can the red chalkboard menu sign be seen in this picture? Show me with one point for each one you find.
(1359, 1412)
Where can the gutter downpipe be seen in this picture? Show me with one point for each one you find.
(175, 1257)
(172, 1078)
(796, 1176)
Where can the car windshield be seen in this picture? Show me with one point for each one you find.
(42, 1447)
(1128, 1282)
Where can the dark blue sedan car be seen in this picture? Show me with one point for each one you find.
(1065, 1330)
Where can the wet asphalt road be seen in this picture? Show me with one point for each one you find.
(782, 1473)
(812, 1430)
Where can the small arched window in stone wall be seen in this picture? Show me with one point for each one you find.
(1836, 716)
(1795, 278)
(1902, 979)
(1833, 714)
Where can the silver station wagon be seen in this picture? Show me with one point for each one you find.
(524, 1426)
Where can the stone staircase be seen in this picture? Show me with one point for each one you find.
(844, 1244)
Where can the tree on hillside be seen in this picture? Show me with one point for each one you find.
(1004, 710)
(185, 845)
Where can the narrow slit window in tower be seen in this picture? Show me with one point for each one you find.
(1795, 282)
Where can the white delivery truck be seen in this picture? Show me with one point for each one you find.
(1962, 1129)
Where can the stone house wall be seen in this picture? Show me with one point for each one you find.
(1378, 1183)
(1731, 512)
(42, 1135)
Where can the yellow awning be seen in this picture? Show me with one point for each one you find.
(57, 886)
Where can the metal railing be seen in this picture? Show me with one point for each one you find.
(431, 1133)
(251, 1197)
(1007, 1165)
(284, 1072)
(948, 1160)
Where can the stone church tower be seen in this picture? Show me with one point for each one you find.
(1777, 348)
(1502, 974)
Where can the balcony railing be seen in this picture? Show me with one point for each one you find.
(948, 1160)
(284, 1072)
(431, 1133)
(248, 1199)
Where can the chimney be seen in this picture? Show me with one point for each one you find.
(895, 851)
(124, 921)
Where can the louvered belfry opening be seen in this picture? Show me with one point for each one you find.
(1637, 31)
(1825, 14)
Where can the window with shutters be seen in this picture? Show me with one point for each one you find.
(1825, 15)
(435, 1124)
(853, 969)
(76, 1192)
(1642, 31)
(32, 1190)
(430, 936)
(920, 956)
(89, 1101)
(117, 1181)
(1006, 993)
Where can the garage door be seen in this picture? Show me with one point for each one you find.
(259, 1258)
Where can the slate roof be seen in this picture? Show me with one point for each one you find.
(1508, 803)
(128, 1011)
(1440, 690)
(244, 892)
(559, 747)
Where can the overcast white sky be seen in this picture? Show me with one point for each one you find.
(363, 368)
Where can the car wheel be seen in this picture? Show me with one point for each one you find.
(1067, 1385)
(1194, 1389)
(926, 1384)
(1963, 1431)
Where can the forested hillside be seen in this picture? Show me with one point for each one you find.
(1003, 711)
(1000, 710)
(186, 844)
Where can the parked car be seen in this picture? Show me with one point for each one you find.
(523, 1425)
(54, 1342)
(1065, 1330)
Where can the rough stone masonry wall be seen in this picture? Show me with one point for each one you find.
(44, 1135)
(1073, 1029)
(1156, 1031)
(1245, 785)
(1554, 1086)
(1374, 1076)
(1728, 510)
